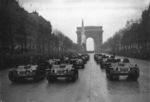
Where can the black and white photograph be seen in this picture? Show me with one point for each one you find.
(74, 50)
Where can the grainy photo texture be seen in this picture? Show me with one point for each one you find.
(74, 50)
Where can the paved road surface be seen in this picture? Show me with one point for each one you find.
(92, 86)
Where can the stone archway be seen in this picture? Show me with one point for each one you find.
(90, 44)
(94, 32)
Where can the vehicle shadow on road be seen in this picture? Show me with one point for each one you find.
(123, 87)
(26, 82)
(61, 82)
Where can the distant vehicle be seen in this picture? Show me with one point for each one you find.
(45, 65)
(73, 60)
(122, 68)
(100, 57)
(24, 73)
(66, 60)
(79, 64)
(66, 71)
(106, 62)
(85, 57)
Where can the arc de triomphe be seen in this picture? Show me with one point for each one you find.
(85, 32)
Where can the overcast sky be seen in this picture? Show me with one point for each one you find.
(66, 15)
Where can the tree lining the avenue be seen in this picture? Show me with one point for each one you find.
(133, 40)
(25, 34)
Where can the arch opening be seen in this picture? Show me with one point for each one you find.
(90, 44)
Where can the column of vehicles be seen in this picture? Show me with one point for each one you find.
(116, 67)
(65, 66)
